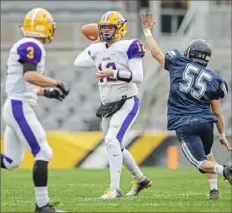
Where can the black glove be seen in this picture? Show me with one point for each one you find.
(54, 93)
(65, 88)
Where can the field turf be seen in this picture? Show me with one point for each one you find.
(78, 190)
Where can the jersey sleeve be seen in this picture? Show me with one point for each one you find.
(85, 58)
(136, 49)
(171, 58)
(222, 90)
(30, 52)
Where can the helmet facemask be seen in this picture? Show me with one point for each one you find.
(107, 32)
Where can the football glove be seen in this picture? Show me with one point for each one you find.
(54, 93)
(64, 87)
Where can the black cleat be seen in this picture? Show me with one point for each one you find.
(214, 194)
(47, 208)
(227, 173)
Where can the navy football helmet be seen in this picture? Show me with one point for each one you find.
(199, 51)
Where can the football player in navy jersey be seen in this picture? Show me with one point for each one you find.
(194, 103)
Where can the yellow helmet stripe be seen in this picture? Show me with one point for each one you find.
(107, 15)
(34, 17)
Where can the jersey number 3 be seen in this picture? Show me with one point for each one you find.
(195, 84)
(30, 52)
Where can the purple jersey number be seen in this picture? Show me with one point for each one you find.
(108, 65)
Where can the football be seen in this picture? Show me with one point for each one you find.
(90, 31)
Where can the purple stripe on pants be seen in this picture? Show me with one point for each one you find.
(127, 122)
(17, 109)
(7, 158)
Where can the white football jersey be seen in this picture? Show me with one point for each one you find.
(116, 56)
(26, 49)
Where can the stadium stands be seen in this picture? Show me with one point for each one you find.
(77, 112)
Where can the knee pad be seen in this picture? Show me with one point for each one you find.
(45, 153)
(13, 165)
(111, 141)
(9, 163)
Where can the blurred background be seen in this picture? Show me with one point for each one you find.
(72, 128)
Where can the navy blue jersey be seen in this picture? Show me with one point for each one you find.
(192, 87)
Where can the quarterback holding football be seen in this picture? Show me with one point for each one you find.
(119, 67)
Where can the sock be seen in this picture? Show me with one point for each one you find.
(3, 166)
(41, 195)
(213, 184)
(218, 169)
(40, 177)
(130, 164)
(115, 163)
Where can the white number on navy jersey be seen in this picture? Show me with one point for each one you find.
(200, 83)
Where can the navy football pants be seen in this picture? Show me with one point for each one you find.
(196, 141)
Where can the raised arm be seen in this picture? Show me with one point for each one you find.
(147, 24)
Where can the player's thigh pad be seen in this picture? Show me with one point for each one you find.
(21, 117)
(121, 121)
(207, 137)
(105, 123)
(13, 149)
(191, 145)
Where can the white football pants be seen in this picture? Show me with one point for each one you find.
(116, 126)
(23, 130)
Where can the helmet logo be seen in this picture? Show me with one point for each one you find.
(40, 27)
(119, 20)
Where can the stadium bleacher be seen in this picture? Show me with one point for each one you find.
(77, 112)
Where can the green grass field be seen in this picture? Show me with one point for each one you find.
(78, 190)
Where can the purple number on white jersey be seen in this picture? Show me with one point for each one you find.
(104, 65)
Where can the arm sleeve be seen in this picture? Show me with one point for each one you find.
(28, 66)
(84, 59)
(29, 52)
(136, 67)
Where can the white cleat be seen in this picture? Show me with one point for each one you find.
(138, 187)
(112, 193)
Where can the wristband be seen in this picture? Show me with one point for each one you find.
(122, 75)
(147, 32)
(222, 136)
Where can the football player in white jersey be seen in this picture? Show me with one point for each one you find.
(24, 82)
(119, 65)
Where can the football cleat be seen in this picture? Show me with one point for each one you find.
(227, 173)
(214, 194)
(112, 193)
(47, 208)
(137, 187)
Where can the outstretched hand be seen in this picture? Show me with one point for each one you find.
(147, 21)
